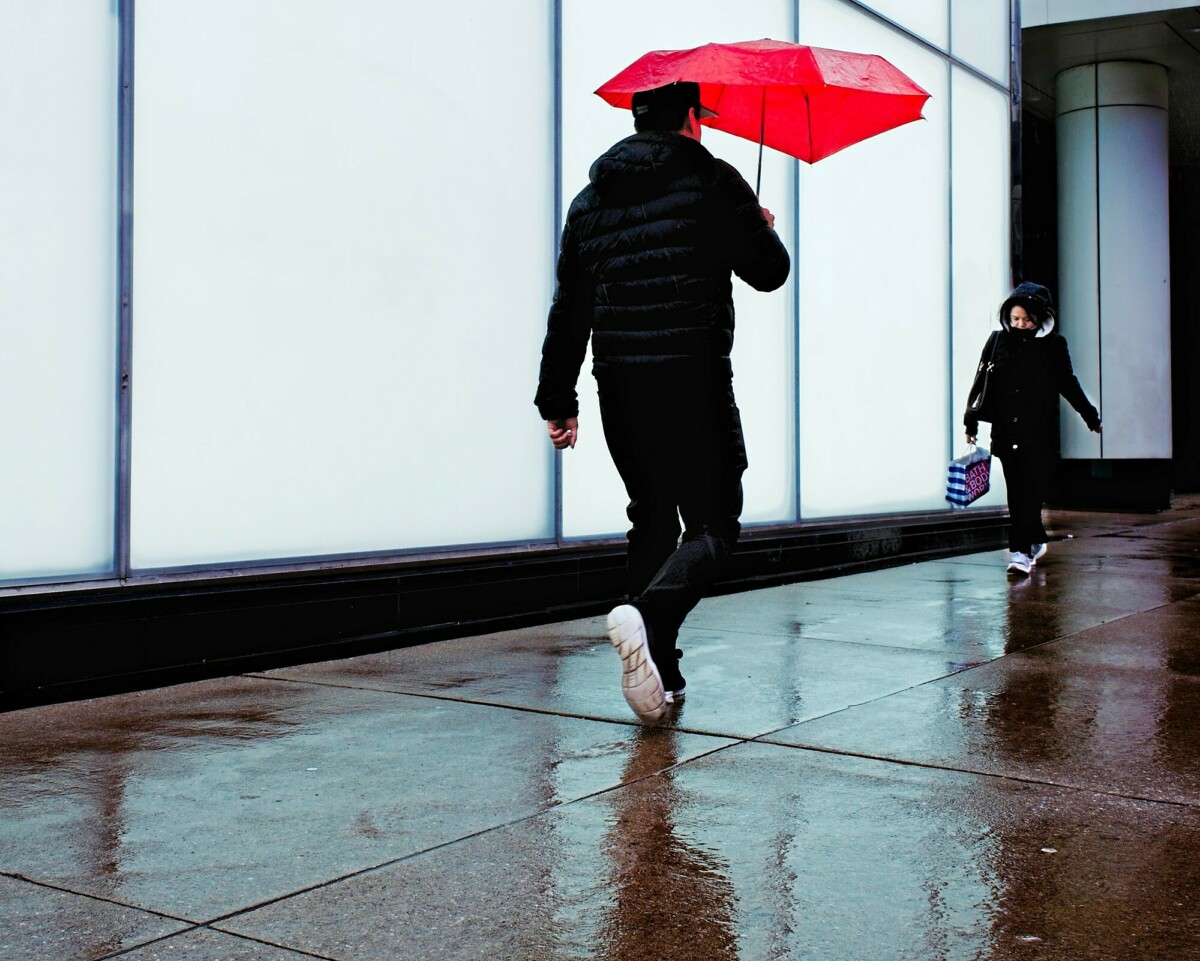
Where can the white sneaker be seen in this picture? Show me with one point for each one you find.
(1019, 563)
(640, 681)
(1036, 552)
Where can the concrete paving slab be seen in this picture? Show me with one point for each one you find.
(566, 668)
(38, 923)
(1166, 639)
(205, 798)
(738, 685)
(760, 851)
(1076, 713)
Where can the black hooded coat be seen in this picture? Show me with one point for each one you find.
(645, 264)
(1030, 370)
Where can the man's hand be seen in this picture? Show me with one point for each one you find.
(770, 218)
(563, 433)
(970, 438)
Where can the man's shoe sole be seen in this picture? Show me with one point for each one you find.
(640, 681)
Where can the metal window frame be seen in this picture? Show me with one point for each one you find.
(124, 372)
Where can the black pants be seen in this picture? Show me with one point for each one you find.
(1027, 474)
(675, 436)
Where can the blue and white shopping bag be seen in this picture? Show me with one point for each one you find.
(970, 477)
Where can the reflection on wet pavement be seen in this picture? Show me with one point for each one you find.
(928, 761)
(767, 852)
(652, 863)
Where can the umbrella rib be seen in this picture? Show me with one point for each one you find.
(808, 110)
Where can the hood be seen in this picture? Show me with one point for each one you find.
(1036, 300)
(645, 164)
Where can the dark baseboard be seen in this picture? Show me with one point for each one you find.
(65, 644)
(1113, 485)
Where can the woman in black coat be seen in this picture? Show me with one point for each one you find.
(1030, 366)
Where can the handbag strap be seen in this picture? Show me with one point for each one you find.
(982, 375)
(993, 340)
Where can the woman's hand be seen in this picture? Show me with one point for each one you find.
(971, 438)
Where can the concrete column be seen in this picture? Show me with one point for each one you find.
(1114, 257)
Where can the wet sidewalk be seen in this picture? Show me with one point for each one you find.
(934, 761)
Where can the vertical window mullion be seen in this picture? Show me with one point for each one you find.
(124, 383)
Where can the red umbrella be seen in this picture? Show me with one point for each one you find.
(808, 102)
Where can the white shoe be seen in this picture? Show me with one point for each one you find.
(640, 681)
(1036, 552)
(1019, 563)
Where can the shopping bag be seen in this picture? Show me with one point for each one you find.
(970, 477)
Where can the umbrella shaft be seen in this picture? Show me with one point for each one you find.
(762, 130)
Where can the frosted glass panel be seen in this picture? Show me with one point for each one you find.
(597, 43)
(981, 34)
(928, 19)
(873, 281)
(58, 300)
(344, 253)
(981, 242)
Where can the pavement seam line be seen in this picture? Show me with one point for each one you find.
(1020, 779)
(62, 889)
(428, 695)
(229, 934)
(838, 640)
(936, 680)
(524, 709)
(192, 926)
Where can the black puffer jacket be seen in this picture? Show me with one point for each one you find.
(1031, 369)
(645, 264)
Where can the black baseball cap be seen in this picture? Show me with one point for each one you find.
(674, 98)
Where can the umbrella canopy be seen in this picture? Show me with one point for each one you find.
(808, 102)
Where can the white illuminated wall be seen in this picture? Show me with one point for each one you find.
(980, 161)
(874, 311)
(981, 35)
(344, 252)
(58, 288)
(344, 228)
(930, 20)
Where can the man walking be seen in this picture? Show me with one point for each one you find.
(645, 269)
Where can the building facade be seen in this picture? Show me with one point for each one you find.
(275, 278)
